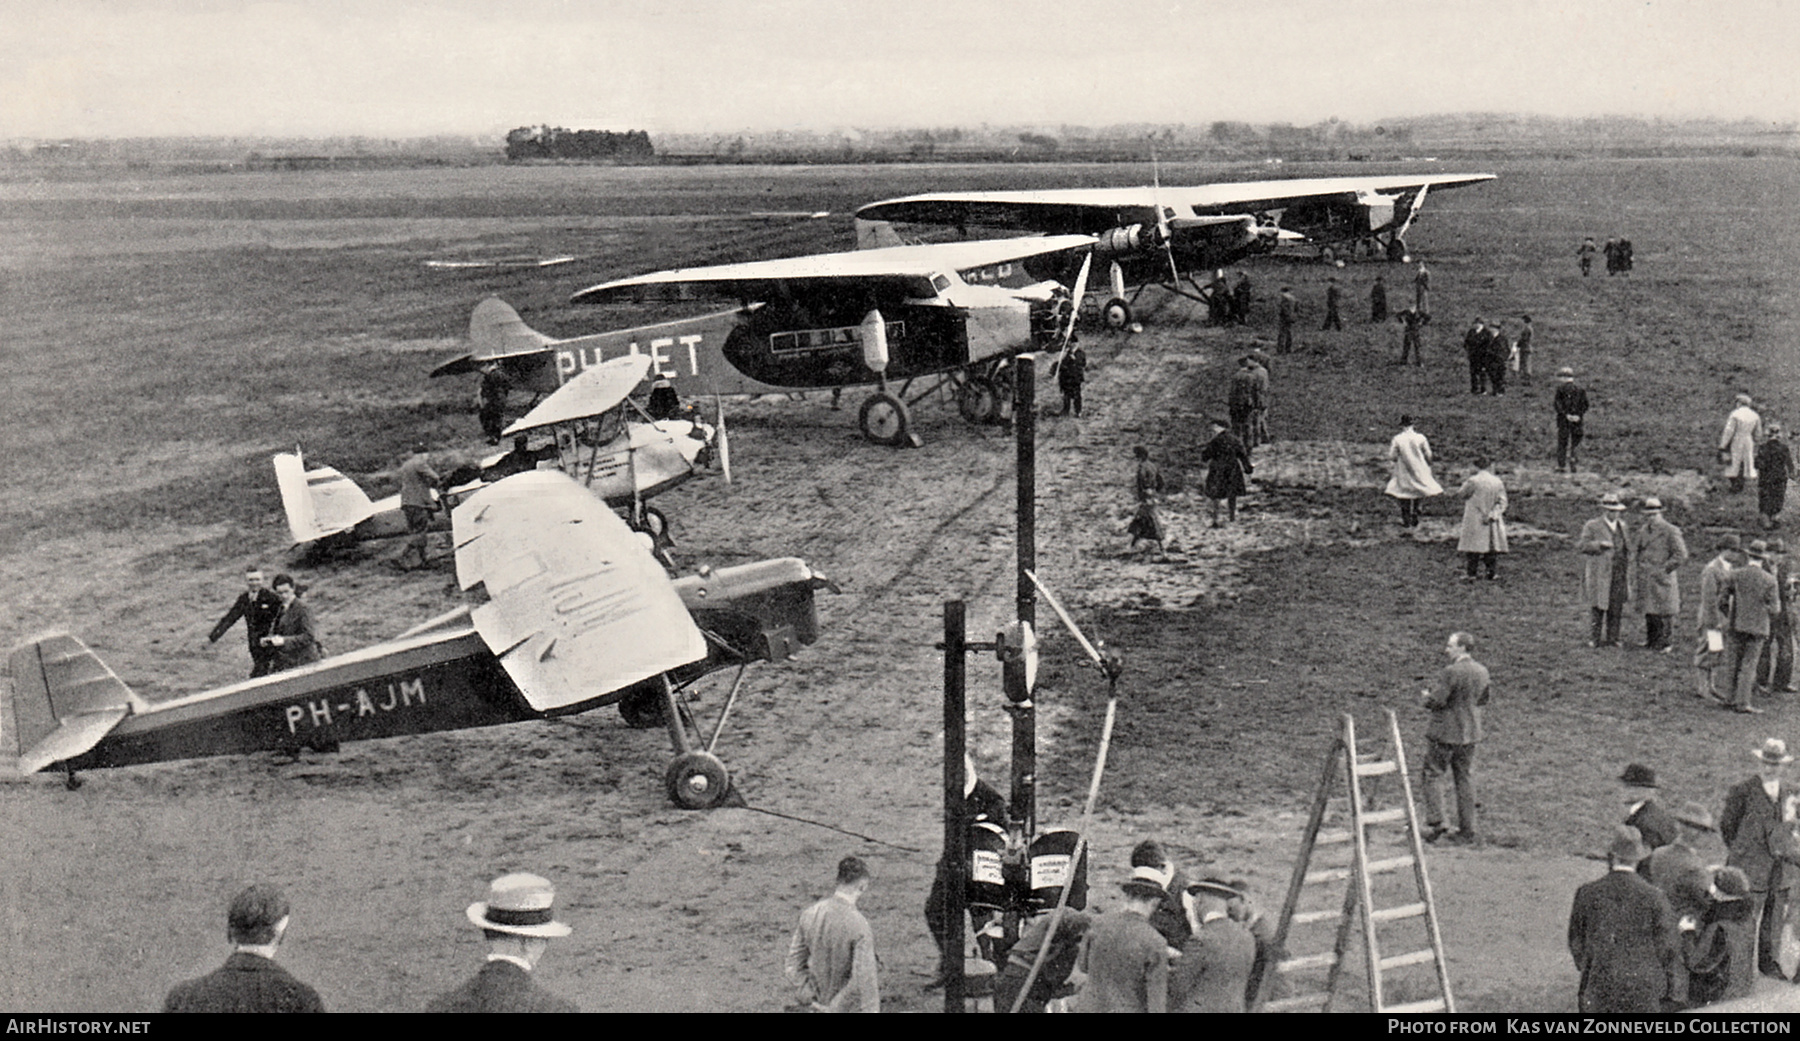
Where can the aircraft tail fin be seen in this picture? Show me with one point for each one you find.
(319, 502)
(496, 331)
(876, 234)
(59, 700)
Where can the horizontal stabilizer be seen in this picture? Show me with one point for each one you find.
(63, 700)
(576, 608)
(319, 503)
(596, 391)
(496, 331)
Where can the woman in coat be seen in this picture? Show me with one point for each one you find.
(1227, 464)
(1484, 521)
(294, 637)
(1412, 480)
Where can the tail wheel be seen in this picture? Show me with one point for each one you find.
(978, 400)
(642, 711)
(697, 781)
(1117, 314)
(884, 419)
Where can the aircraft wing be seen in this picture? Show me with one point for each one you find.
(576, 608)
(595, 391)
(1093, 210)
(909, 269)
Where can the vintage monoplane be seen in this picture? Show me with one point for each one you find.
(566, 612)
(1165, 236)
(951, 312)
(594, 439)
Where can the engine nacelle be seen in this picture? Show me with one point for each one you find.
(1130, 241)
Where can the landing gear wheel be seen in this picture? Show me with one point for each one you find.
(1327, 254)
(1117, 314)
(655, 524)
(884, 419)
(642, 711)
(1396, 250)
(697, 781)
(978, 400)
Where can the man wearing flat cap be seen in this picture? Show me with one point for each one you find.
(1758, 828)
(518, 919)
(1624, 939)
(249, 981)
(1751, 602)
(1213, 972)
(1655, 824)
(1660, 551)
(1607, 578)
(1126, 960)
(1709, 653)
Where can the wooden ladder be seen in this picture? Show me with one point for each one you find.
(1360, 873)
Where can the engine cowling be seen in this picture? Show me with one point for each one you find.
(1130, 241)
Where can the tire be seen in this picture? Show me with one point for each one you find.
(978, 400)
(884, 419)
(1117, 314)
(656, 525)
(642, 710)
(697, 781)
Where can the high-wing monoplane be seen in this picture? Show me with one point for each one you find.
(566, 612)
(597, 435)
(1166, 236)
(956, 312)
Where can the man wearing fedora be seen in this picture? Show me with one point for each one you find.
(1607, 580)
(1623, 936)
(1126, 960)
(1455, 728)
(249, 981)
(1679, 869)
(1757, 825)
(831, 958)
(1751, 602)
(518, 920)
(1660, 550)
(1709, 653)
(1213, 972)
(1655, 824)
(1737, 443)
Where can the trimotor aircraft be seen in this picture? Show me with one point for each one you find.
(1165, 236)
(594, 439)
(566, 612)
(950, 312)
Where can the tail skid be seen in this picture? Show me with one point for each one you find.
(59, 701)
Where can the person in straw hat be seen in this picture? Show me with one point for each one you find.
(518, 920)
(1660, 550)
(1624, 939)
(1737, 443)
(1126, 959)
(1607, 579)
(1758, 828)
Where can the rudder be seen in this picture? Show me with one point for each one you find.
(59, 701)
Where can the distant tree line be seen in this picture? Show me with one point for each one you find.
(543, 142)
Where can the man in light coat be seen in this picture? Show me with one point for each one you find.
(1660, 552)
(1608, 577)
(1412, 480)
(1484, 521)
(1737, 443)
(1709, 654)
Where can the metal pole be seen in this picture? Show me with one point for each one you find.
(1024, 714)
(955, 866)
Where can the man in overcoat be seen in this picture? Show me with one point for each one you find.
(1475, 346)
(1483, 536)
(1710, 617)
(1737, 443)
(1213, 973)
(1758, 828)
(250, 980)
(1624, 939)
(1751, 602)
(1660, 552)
(1608, 577)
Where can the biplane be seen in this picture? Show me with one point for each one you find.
(1166, 236)
(597, 435)
(566, 611)
(952, 313)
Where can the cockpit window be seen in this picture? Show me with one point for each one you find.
(942, 282)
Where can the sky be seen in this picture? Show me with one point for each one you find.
(407, 68)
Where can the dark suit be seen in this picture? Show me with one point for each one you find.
(500, 986)
(245, 983)
(259, 611)
(300, 637)
(1761, 844)
(1623, 936)
(1213, 971)
(1755, 603)
(1657, 825)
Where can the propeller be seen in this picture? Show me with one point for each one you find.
(1068, 334)
(724, 442)
(1162, 219)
